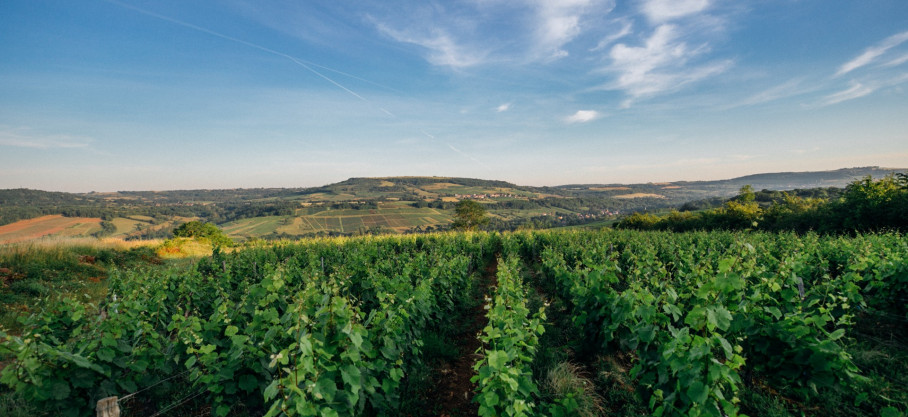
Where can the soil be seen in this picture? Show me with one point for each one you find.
(453, 394)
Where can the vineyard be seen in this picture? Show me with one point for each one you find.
(572, 323)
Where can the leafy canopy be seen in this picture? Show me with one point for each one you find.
(469, 215)
(199, 230)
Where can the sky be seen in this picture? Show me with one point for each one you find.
(112, 95)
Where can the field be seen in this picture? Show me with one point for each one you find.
(639, 195)
(550, 323)
(53, 225)
(343, 221)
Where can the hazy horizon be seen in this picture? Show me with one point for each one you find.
(439, 176)
(107, 95)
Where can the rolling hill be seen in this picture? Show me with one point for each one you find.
(366, 205)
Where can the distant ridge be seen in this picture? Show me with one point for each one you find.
(371, 205)
(775, 180)
(811, 179)
(771, 180)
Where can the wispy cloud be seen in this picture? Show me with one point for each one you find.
(864, 88)
(897, 61)
(25, 138)
(872, 53)
(787, 89)
(857, 90)
(474, 33)
(659, 11)
(503, 108)
(582, 116)
(626, 29)
(443, 49)
(801, 151)
(560, 22)
(660, 64)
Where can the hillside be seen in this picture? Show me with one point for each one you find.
(366, 205)
(683, 191)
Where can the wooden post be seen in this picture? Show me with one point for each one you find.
(108, 407)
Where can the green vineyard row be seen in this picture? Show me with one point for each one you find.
(335, 327)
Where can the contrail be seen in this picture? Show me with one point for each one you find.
(240, 41)
(308, 66)
(465, 155)
(462, 153)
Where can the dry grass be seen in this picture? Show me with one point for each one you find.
(180, 248)
(68, 242)
(568, 379)
(440, 186)
(609, 188)
(639, 195)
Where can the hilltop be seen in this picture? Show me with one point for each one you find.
(367, 205)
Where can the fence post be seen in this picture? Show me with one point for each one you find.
(108, 407)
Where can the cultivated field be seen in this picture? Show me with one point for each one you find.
(541, 323)
(53, 225)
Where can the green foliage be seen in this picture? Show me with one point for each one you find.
(337, 327)
(504, 380)
(203, 231)
(311, 329)
(107, 228)
(639, 221)
(32, 276)
(691, 308)
(469, 215)
(866, 205)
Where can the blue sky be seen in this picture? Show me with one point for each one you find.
(152, 95)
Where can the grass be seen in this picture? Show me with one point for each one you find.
(12, 405)
(567, 380)
(33, 274)
(182, 248)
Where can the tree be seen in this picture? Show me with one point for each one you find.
(746, 194)
(207, 231)
(469, 215)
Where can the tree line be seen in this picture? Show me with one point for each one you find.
(865, 205)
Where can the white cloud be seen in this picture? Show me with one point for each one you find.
(660, 65)
(659, 11)
(504, 107)
(897, 61)
(24, 138)
(443, 49)
(582, 116)
(560, 22)
(860, 89)
(479, 32)
(788, 89)
(856, 90)
(625, 30)
(872, 53)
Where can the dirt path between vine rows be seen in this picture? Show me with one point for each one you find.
(454, 391)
